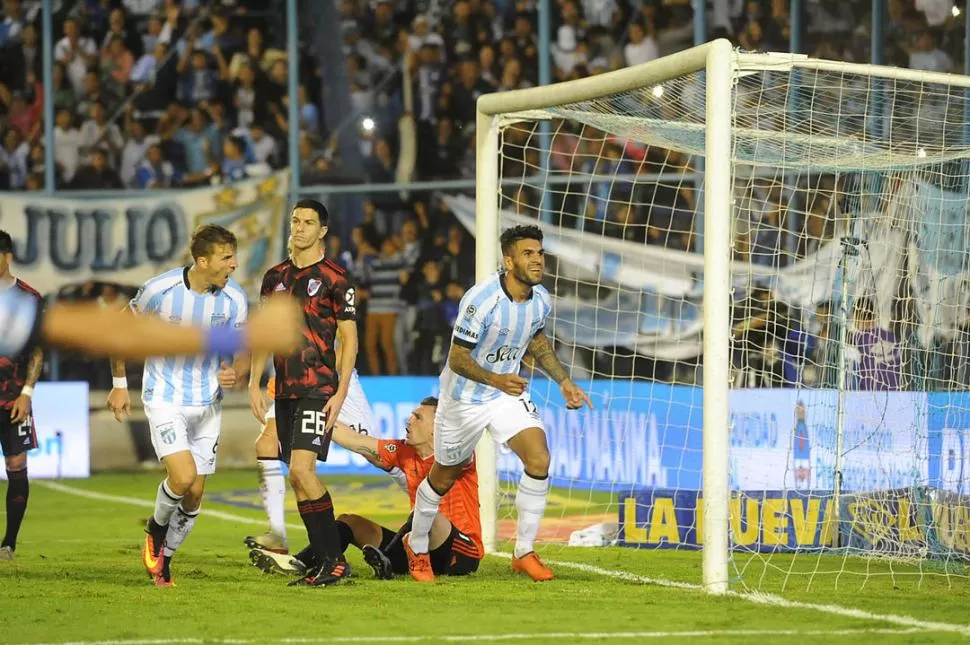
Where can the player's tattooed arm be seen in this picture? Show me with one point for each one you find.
(462, 363)
(34, 367)
(363, 445)
(545, 357)
(118, 368)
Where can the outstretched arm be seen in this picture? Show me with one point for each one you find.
(362, 444)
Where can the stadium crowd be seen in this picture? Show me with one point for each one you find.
(153, 94)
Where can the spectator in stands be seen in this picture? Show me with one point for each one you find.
(13, 25)
(876, 354)
(155, 172)
(95, 92)
(383, 276)
(925, 54)
(425, 292)
(22, 60)
(77, 53)
(116, 65)
(234, 159)
(136, 147)
(642, 47)
(98, 132)
(96, 174)
(67, 145)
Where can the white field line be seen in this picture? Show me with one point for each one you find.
(493, 638)
(144, 503)
(767, 599)
(757, 597)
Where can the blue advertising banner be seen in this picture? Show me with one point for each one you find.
(644, 435)
(63, 432)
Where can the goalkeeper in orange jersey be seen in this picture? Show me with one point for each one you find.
(456, 535)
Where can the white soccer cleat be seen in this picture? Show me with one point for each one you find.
(276, 563)
(268, 541)
(6, 553)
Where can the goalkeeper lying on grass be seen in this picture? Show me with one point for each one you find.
(456, 535)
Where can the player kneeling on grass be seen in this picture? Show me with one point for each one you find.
(455, 541)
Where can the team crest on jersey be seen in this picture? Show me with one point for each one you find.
(391, 447)
(313, 286)
(219, 320)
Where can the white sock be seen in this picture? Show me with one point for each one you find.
(272, 485)
(399, 478)
(179, 529)
(426, 502)
(165, 503)
(530, 502)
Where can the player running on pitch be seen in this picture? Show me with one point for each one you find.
(456, 534)
(183, 396)
(500, 319)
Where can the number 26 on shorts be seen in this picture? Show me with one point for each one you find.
(314, 422)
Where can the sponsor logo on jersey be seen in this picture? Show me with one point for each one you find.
(466, 332)
(503, 354)
(503, 332)
(313, 287)
(280, 287)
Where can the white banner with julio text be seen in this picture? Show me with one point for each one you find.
(60, 241)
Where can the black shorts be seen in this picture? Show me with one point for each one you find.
(446, 560)
(301, 425)
(16, 438)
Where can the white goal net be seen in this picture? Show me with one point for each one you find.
(834, 386)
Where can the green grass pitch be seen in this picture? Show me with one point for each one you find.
(77, 578)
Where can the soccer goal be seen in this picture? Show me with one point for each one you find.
(759, 269)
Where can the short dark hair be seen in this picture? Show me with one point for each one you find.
(512, 235)
(316, 207)
(430, 400)
(6, 242)
(207, 237)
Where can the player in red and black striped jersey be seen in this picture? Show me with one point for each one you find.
(18, 375)
(309, 390)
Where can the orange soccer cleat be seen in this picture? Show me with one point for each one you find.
(151, 555)
(532, 565)
(419, 564)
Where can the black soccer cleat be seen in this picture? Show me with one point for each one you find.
(330, 573)
(378, 562)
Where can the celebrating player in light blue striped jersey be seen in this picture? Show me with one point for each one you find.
(500, 320)
(183, 395)
(497, 331)
(187, 381)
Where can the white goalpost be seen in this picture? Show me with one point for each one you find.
(776, 346)
(717, 59)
